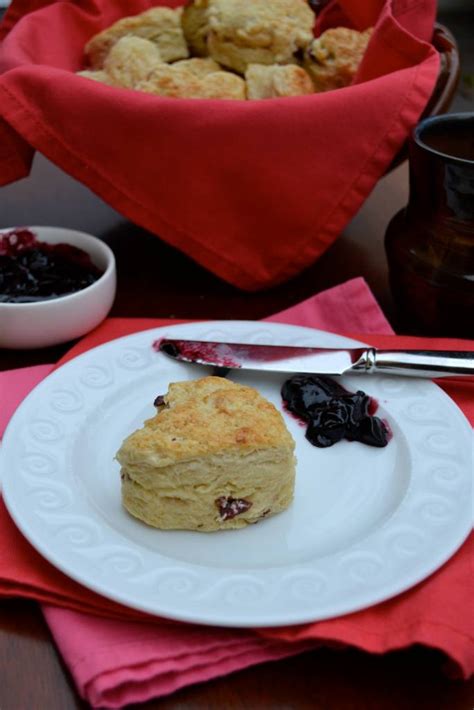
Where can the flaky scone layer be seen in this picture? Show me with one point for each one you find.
(211, 493)
(160, 25)
(258, 32)
(332, 60)
(268, 82)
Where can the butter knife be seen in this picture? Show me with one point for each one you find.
(320, 361)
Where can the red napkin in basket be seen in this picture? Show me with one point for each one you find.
(253, 190)
(116, 663)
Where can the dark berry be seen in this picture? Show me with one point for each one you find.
(373, 431)
(304, 394)
(230, 507)
(333, 413)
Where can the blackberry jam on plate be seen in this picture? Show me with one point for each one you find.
(333, 413)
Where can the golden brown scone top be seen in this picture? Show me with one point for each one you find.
(175, 82)
(198, 66)
(134, 63)
(264, 40)
(267, 82)
(333, 58)
(258, 32)
(160, 25)
(204, 417)
(131, 60)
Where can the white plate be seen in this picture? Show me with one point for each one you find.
(365, 524)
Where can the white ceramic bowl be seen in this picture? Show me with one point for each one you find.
(44, 323)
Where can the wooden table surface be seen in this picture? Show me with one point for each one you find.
(156, 281)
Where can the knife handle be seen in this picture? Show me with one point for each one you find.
(416, 363)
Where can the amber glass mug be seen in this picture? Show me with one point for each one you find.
(430, 244)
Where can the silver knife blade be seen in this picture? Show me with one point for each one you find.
(321, 361)
(270, 358)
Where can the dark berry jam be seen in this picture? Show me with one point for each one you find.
(32, 271)
(333, 413)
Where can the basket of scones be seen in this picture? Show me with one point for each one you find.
(225, 49)
(245, 133)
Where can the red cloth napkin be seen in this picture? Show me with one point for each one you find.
(253, 190)
(116, 663)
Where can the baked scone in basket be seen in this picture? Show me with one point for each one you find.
(160, 25)
(258, 31)
(265, 43)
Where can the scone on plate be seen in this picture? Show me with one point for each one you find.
(160, 25)
(175, 82)
(216, 456)
(333, 58)
(258, 32)
(268, 82)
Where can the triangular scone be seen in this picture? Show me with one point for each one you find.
(217, 455)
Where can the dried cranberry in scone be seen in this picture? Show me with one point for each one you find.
(230, 507)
